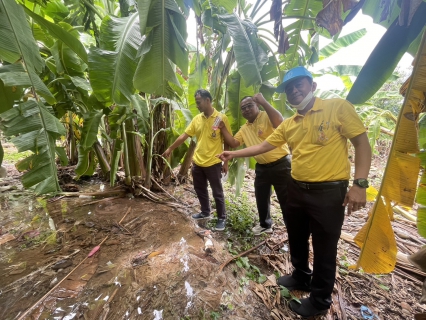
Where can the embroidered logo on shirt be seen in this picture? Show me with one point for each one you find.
(321, 134)
(259, 132)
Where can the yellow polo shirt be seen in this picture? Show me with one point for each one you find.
(209, 141)
(319, 140)
(255, 133)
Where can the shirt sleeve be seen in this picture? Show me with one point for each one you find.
(277, 138)
(239, 137)
(352, 125)
(190, 131)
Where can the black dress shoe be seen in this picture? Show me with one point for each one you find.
(292, 284)
(306, 309)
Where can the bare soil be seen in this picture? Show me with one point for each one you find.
(131, 258)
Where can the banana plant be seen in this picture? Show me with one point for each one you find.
(32, 123)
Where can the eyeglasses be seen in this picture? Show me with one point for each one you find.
(247, 107)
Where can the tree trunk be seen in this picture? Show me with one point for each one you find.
(136, 164)
(183, 172)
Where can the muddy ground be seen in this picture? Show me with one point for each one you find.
(131, 258)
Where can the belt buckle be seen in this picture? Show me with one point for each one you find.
(307, 186)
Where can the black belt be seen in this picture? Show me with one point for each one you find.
(271, 164)
(322, 185)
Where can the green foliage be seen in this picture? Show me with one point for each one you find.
(241, 214)
(385, 56)
(249, 55)
(164, 44)
(287, 295)
(251, 271)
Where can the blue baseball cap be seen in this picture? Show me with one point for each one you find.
(293, 74)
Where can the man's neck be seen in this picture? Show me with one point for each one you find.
(253, 118)
(308, 107)
(209, 112)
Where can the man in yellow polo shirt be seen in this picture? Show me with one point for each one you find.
(317, 134)
(273, 167)
(206, 166)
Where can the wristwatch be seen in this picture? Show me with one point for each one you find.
(363, 183)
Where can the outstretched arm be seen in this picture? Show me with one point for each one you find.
(181, 139)
(247, 152)
(356, 197)
(274, 115)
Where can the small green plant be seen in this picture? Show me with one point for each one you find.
(251, 271)
(241, 213)
(286, 294)
(214, 315)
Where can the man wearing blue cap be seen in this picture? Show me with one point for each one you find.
(317, 134)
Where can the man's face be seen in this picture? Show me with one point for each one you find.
(298, 89)
(249, 109)
(202, 103)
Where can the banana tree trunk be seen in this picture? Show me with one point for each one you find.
(183, 172)
(103, 161)
(72, 146)
(136, 163)
(128, 177)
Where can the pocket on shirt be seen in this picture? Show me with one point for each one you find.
(321, 133)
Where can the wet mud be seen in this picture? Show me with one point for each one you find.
(125, 258)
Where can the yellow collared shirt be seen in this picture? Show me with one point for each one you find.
(209, 141)
(255, 133)
(319, 140)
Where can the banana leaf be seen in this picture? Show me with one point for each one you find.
(385, 56)
(111, 67)
(165, 47)
(299, 50)
(61, 32)
(13, 92)
(249, 54)
(90, 129)
(197, 80)
(16, 38)
(340, 43)
(237, 89)
(32, 123)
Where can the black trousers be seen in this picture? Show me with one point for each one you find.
(277, 174)
(212, 175)
(320, 213)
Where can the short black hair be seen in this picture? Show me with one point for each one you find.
(203, 94)
(246, 97)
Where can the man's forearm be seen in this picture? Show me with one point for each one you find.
(229, 139)
(253, 150)
(273, 114)
(362, 156)
(181, 139)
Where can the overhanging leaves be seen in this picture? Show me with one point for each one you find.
(112, 67)
(35, 128)
(249, 55)
(61, 34)
(166, 28)
(385, 56)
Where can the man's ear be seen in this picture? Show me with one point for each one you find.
(314, 86)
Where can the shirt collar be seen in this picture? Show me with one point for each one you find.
(318, 105)
(214, 114)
